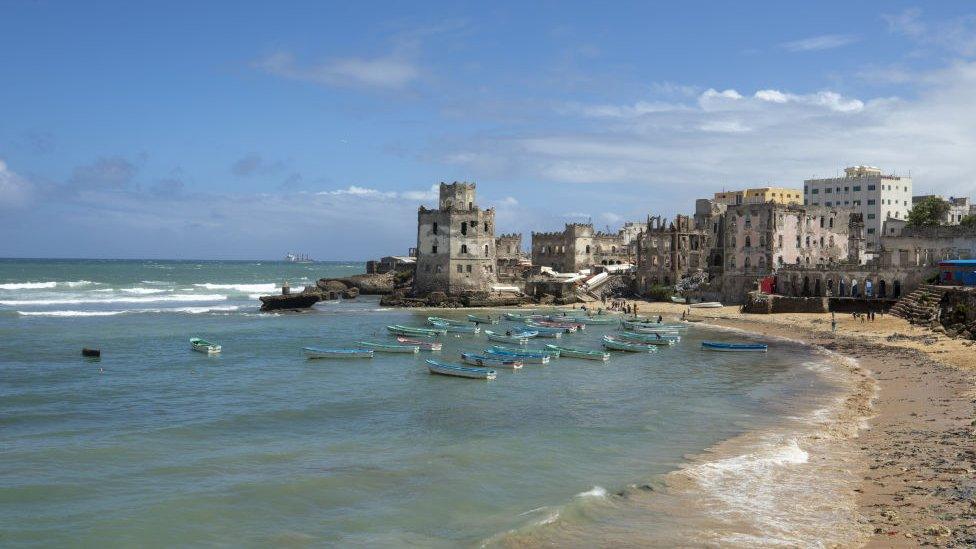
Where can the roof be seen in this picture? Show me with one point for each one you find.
(959, 262)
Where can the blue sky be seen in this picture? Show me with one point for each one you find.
(223, 130)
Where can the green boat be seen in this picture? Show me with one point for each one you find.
(482, 319)
(204, 346)
(454, 328)
(615, 344)
(579, 353)
(441, 320)
(389, 348)
(503, 349)
(653, 339)
(412, 331)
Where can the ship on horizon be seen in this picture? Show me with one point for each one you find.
(298, 258)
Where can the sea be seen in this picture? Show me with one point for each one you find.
(156, 445)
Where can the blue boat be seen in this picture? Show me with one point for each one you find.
(533, 358)
(734, 347)
(455, 328)
(456, 370)
(317, 352)
(491, 360)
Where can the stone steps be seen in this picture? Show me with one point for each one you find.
(921, 306)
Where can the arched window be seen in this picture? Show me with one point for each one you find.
(748, 241)
(587, 248)
(613, 249)
(747, 263)
(762, 262)
(821, 242)
(486, 226)
(434, 228)
(464, 248)
(464, 227)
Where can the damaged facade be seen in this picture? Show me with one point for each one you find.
(579, 247)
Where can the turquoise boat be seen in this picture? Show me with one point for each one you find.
(482, 319)
(389, 348)
(491, 360)
(454, 328)
(442, 320)
(524, 352)
(599, 319)
(204, 346)
(316, 352)
(655, 325)
(414, 331)
(615, 344)
(457, 370)
(579, 353)
(526, 358)
(544, 331)
(735, 347)
(505, 338)
(653, 339)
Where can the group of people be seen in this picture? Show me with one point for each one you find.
(870, 315)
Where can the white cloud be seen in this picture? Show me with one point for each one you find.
(822, 42)
(15, 191)
(829, 99)
(392, 72)
(957, 35)
(725, 126)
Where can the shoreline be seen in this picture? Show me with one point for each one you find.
(911, 406)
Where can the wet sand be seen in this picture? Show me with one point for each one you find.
(917, 455)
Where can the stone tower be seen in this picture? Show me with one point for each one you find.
(855, 238)
(455, 244)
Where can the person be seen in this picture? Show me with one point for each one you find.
(658, 336)
(660, 319)
(683, 314)
(508, 333)
(833, 322)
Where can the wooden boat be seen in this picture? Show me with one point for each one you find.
(487, 319)
(91, 353)
(204, 346)
(653, 324)
(517, 317)
(489, 360)
(523, 352)
(441, 320)
(615, 344)
(596, 319)
(317, 352)
(565, 328)
(677, 299)
(527, 358)
(706, 305)
(388, 348)
(651, 331)
(734, 347)
(503, 338)
(544, 331)
(414, 331)
(651, 339)
(456, 370)
(694, 319)
(424, 345)
(579, 353)
(454, 328)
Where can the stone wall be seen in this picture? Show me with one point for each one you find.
(578, 247)
(958, 313)
(926, 246)
(757, 302)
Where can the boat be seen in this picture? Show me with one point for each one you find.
(489, 360)
(414, 331)
(579, 353)
(457, 370)
(454, 328)
(562, 324)
(677, 299)
(648, 339)
(442, 320)
(424, 345)
(654, 324)
(482, 319)
(598, 319)
(517, 317)
(204, 346)
(504, 338)
(544, 331)
(523, 352)
(615, 344)
(527, 358)
(298, 258)
(652, 331)
(706, 305)
(91, 353)
(734, 347)
(550, 326)
(389, 348)
(317, 352)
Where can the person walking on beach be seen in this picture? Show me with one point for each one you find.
(833, 322)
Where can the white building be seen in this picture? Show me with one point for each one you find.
(959, 207)
(866, 190)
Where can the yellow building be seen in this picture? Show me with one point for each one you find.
(779, 195)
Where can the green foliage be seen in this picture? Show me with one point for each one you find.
(660, 293)
(928, 212)
(968, 220)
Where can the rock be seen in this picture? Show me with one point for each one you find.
(332, 285)
(367, 284)
(939, 530)
(351, 293)
(291, 301)
(436, 298)
(939, 330)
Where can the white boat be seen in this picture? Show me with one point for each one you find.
(318, 352)
(204, 346)
(504, 338)
(457, 370)
(706, 305)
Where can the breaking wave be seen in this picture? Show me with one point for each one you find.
(83, 301)
(27, 285)
(243, 288)
(186, 310)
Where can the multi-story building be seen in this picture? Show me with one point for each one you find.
(667, 252)
(761, 195)
(959, 207)
(455, 244)
(868, 191)
(578, 247)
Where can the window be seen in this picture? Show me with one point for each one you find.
(468, 268)
(870, 231)
(433, 249)
(847, 189)
(747, 263)
(828, 190)
(816, 204)
(837, 189)
(464, 248)
(828, 203)
(857, 188)
(434, 228)
(871, 202)
(857, 203)
(815, 191)
(464, 227)
(805, 190)
(508, 249)
(587, 248)
(748, 242)
(871, 187)
(780, 241)
(821, 222)
(871, 216)
(831, 224)
(486, 250)
(486, 226)
(460, 269)
(821, 242)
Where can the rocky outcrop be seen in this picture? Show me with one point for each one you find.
(957, 313)
(286, 302)
(366, 284)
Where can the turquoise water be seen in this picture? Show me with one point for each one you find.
(157, 445)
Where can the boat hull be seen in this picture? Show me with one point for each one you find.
(203, 346)
(490, 362)
(580, 353)
(456, 370)
(384, 348)
(424, 345)
(735, 347)
(617, 345)
(315, 353)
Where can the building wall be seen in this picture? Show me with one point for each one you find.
(760, 195)
(508, 247)
(926, 246)
(667, 252)
(578, 247)
(455, 244)
(868, 191)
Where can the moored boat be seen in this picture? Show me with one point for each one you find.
(424, 345)
(318, 352)
(734, 347)
(651, 331)
(615, 344)
(579, 353)
(442, 320)
(204, 346)
(706, 305)
(458, 370)
(528, 358)
(491, 361)
(486, 319)
(651, 339)
(505, 338)
(454, 328)
(658, 325)
(523, 352)
(678, 299)
(389, 348)
(566, 328)
(414, 331)
(596, 319)
(544, 331)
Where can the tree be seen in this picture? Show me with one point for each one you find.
(928, 212)
(968, 220)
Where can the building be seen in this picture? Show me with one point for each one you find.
(510, 260)
(761, 195)
(958, 272)
(959, 207)
(579, 247)
(868, 191)
(455, 244)
(668, 252)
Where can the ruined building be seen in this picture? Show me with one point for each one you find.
(578, 247)
(510, 261)
(667, 252)
(455, 244)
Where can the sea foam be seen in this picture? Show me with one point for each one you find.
(27, 285)
(244, 288)
(83, 301)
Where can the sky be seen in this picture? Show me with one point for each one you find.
(231, 130)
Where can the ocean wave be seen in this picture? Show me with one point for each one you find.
(77, 283)
(187, 310)
(27, 285)
(595, 492)
(83, 301)
(269, 287)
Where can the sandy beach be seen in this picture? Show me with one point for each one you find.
(915, 394)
